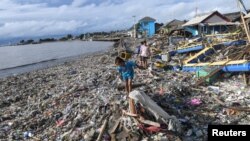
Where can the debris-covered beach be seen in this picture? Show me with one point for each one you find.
(185, 76)
(84, 100)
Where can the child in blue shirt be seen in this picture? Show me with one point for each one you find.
(126, 70)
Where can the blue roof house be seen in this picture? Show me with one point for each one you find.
(147, 26)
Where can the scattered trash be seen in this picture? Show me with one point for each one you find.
(214, 89)
(27, 135)
(189, 132)
(195, 102)
(231, 112)
(84, 99)
(59, 123)
(198, 133)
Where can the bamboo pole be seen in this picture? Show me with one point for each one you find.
(245, 78)
(102, 130)
(245, 75)
(243, 21)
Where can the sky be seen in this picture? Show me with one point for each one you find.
(30, 18)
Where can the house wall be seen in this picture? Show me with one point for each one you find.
(206, 29)
(192, 30)
(148, 27)
(151, 29)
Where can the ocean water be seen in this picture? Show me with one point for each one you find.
(25, 58)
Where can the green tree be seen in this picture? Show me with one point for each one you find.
(81, 36)
(30, 41)
(69, 36)
(63, 39)
(22, 42)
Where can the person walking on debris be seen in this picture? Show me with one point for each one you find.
(126, 70)
(144, 54)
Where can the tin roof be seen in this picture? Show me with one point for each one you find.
(147, 19)
(201, 18)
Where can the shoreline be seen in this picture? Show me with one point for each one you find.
(17, 70)
(19, 45)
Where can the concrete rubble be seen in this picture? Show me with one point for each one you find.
(83, 100)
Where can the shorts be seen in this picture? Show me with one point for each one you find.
(144, 58)
(127, 76)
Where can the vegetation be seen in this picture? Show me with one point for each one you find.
(83, 36)
(47, 40)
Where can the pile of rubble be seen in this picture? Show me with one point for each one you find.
(84, 100)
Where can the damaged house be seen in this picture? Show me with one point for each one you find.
(233, 17)
(175, 31)
(174, 27)
(210, 23)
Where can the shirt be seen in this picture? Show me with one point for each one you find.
(144, 51)
(127, 69)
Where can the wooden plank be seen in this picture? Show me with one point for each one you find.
(113, 138)
(117, 123)
(218, 100)
(185, 47)
(196, 55)
(132, 106)
(246, 78)
(148, 122)
(129, 114)
(235, 62)
(102, 130)
(223, 65)
(244, 22)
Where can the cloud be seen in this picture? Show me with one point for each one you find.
(39, 28)
(20, 18)
(78, 3)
